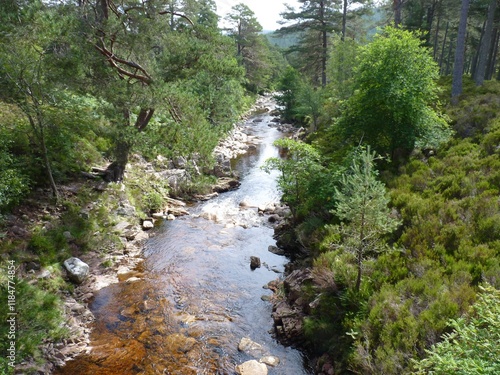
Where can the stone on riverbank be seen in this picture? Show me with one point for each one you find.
(147, 224)
(77, 270)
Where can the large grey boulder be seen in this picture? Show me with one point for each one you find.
(174, 177)
(77, 270)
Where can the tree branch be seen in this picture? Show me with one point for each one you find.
(178, 15)
(115, 60)
(143, 118)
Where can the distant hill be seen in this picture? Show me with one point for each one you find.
(283, 42)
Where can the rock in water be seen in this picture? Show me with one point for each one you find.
(252, 368)
(276, 250)
(250, 347)
(254, 262)
(270, 360)
(147, 224)
(77, 270)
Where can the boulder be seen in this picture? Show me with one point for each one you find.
(77, 270)
(177, 211)
(226, 184)
(244, 204)
(126, 210)
(222, 167)
(294, 284)
(254, 262)
(273, 218)
(250, 347)
(270, 360)
(147, 224)
(175, 202)
(131, 233)
(120, 227)
(276, 250)
(174, 177)
(252, 368)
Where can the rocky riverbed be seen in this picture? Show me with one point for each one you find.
(124, 263)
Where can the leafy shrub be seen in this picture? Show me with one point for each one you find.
(14, 184)
(153, 201)
(474, 345)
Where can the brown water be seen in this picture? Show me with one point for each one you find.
(197, 296)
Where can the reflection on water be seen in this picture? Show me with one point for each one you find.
(199, 296)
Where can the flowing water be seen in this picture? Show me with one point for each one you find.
(197, 296)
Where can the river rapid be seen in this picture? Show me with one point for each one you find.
(195, 297)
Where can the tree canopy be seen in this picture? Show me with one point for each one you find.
(395, 92)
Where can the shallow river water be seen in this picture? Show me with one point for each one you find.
(197, 296)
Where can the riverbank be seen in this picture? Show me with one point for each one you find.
(119, 259)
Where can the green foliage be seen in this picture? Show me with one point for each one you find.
(310, 105)
(474, 345)
(13, 183)
(288, 96)
(395, 90)
(478, 107)
(362, 206)
(305, 183)
(153, 201)
(253, 50)
(52, 243)
(39, 317)
(341, 68)
(447, 244)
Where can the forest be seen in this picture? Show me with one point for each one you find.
(393, 188)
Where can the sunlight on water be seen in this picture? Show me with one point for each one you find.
(200, 296)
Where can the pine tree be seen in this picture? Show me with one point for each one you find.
(362, 207)
(314, 22)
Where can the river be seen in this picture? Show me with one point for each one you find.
(196, 296)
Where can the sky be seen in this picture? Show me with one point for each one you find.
(266, 11)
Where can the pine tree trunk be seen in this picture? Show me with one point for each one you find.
(443, 48)
(344, 20)
(448, 61)
(116, 170)
(493, 55)
(430, 20)
(48, 168)
(397, 5)
(458, 66)
(38, 128)
(476, 55)
(484, 47)
(436, 37)
(324, 45)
